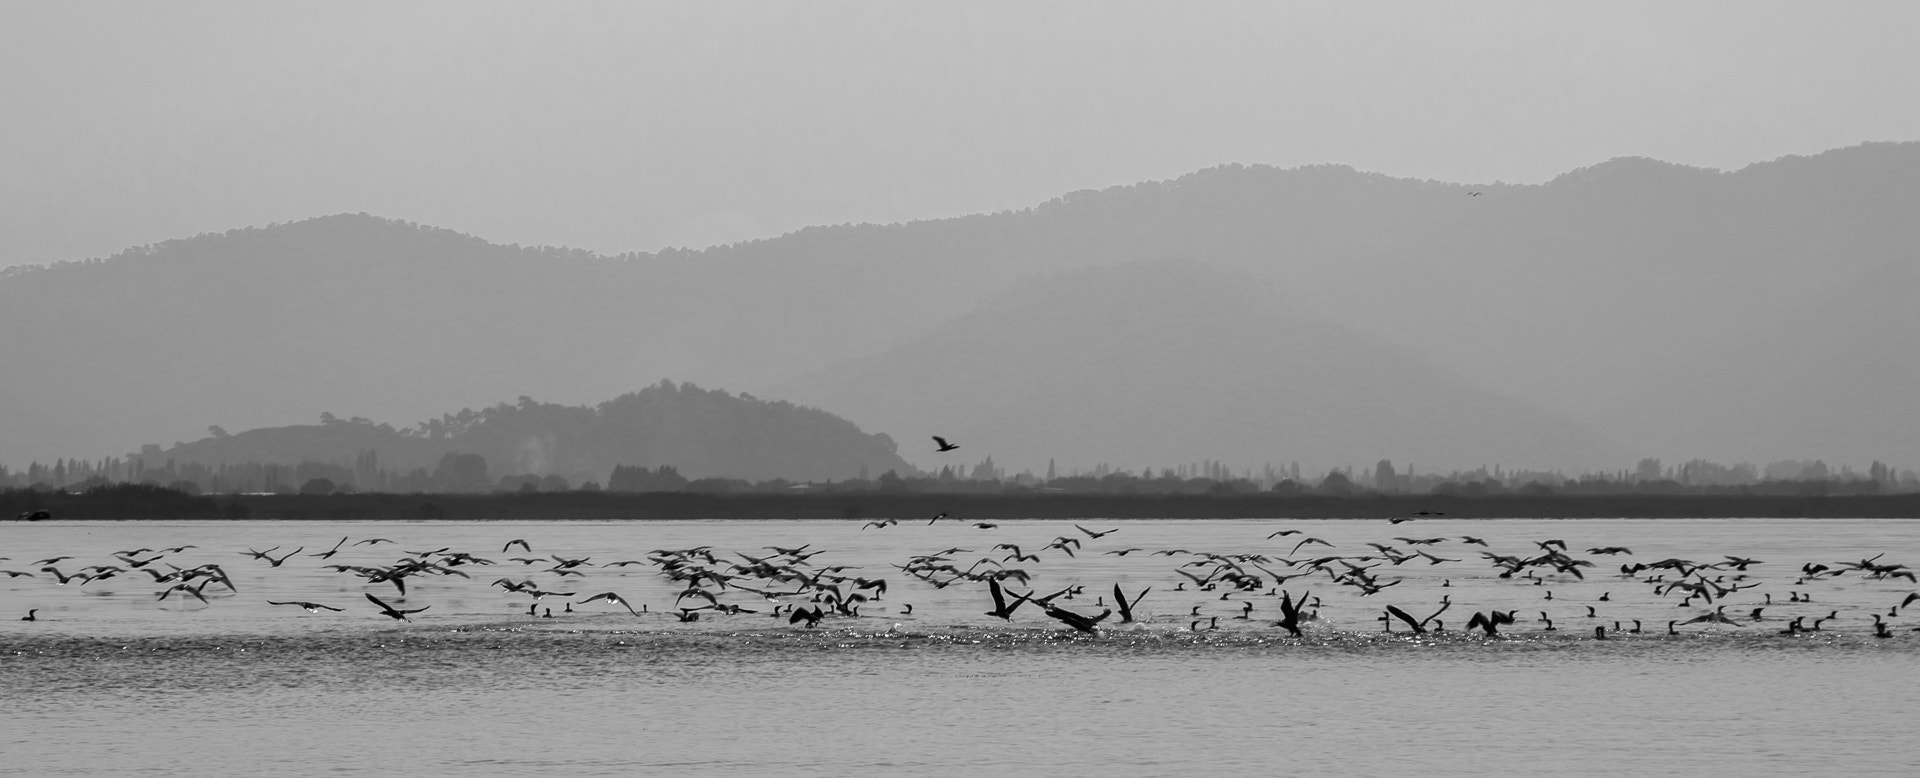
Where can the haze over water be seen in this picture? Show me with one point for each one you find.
(111, 681)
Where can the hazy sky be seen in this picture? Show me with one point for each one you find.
(623, 126)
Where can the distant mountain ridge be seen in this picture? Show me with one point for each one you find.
(1168, 363)
(1574, 296)
(701, 433)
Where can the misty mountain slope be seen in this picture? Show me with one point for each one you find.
(702, 433)
(1566, 294)
(1168, 363)
(257, 327)
(1833, 377)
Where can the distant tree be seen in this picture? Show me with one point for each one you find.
(1648, 470)
(319, 486)
(639, 479)
(217, 431)
(1336, 483)
(462, 473)
(1384, 478)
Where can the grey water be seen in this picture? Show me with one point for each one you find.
(111, 680)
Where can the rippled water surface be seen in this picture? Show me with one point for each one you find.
(111, 680)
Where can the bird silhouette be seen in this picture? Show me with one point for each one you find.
(392, 612)
(277, 562)
(1078, 621)
(943, 444)
(1000, 606)
(1125, 605)
(811, 617)
(310, 607)
(612, 598)
(1290, 613)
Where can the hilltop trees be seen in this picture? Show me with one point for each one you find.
(673, 433)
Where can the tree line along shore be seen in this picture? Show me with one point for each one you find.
(145, 502)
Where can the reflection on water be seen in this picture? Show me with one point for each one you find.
(112, 680)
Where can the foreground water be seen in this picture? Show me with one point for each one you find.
(111, 680)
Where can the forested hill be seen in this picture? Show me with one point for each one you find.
(1597, 295)
(701, 433)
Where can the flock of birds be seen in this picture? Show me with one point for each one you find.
(1274, 589)
(790, 585)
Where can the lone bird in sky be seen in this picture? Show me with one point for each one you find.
(943, 444)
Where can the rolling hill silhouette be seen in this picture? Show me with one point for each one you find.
(701, 433)
(1166, 363)
(1574, 295)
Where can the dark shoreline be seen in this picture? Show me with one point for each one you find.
(588, 506)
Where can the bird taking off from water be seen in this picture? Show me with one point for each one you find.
(943, 444)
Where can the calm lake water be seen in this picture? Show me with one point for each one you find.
(111, 680)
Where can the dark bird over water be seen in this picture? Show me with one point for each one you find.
(392, 612)
(1126, 606)
(612, 598)
(310, 607)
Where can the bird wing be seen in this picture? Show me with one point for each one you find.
(1406, 617)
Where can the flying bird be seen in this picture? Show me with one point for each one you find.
(943, 444)
(612, 598)
(1126, 606)
(392, 612)
(310, 607)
